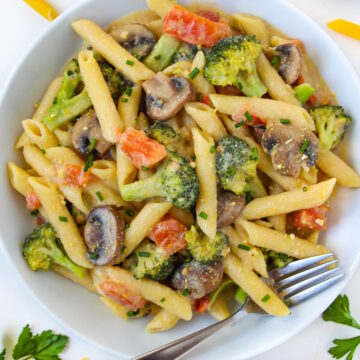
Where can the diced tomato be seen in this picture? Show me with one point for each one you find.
(122, 295)
(201, 305)
(205, 99)
(32, 201)
(194, 29)
(209, 14)
(141, 150)
(228, 90)
(300, 80)
(75, 175)
(313, 219)
(169, 234)
(312, 100)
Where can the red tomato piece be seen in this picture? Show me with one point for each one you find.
(313, 219)
(122, 295)
(209, 14)
(205, 99)
(300, 80)
(201, 305)
(75, 175)
(32, 201)
(194, 29)
(141, 150)
(169, 234)
(312, 100)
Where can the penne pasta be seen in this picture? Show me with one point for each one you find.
(63, 134)
(125, 170)
(19, 179)
(39, 134)
(106, 171)
(278, 221)
(160, 7)
(22, 141)
(162, 321)
(219, 310)
(128, 106)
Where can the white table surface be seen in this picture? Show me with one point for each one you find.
(19, 26)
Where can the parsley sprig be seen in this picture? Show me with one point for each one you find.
(339, 312)
(44, 346)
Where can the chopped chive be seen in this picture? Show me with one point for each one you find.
(162, 300)
(239, 86)
(275, 60)
(128, 91)
(93, 256)
(248, 196)
(129, 212)
(43, 151)
(145, 168)
(92, 144)
(212, 149)
(194, 73)
(193, 157)
(143, 254)
(255, 154)
(285, 121)
(305, 188)
(248, 116)
(123, 248)
(157, 57)
(304, 146)
(130, 62)
(133, 313)
(240, 296)
(89, 163)
(265, 298)
(55, 100)
(200, 96)
(100, 197)
(185, 292)
(244, 247)
(203, 215)
(34, 212)
(63, 218)
(239, 124)
(127, 226)
(124, 100)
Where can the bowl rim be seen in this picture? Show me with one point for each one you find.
(276, 341)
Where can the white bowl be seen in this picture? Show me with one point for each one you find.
(83, 313)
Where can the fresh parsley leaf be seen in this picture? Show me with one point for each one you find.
(339, 312)
(2, 354)
(344, 347)
(44, 346)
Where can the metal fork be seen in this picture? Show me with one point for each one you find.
(294, 283)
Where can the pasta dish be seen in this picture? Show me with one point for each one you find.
(182, 155)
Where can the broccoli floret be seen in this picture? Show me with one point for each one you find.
(175, 180)
(42, 248)
(163, 133)
(233, 62)
(331, 124)
(235, 164)
(150, 261)
(206, 250)
(185, 52)
(276, 260)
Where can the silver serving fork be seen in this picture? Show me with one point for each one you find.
(294, 283)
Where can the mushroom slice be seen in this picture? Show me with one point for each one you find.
(104, 235)
(290, 148)
(86, 129)
(135, 38)
(290, 62)
(229, 207)
(166, 96)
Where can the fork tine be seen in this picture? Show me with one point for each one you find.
(302, 274)
(288, 290)
(312, 291)
(298, 265)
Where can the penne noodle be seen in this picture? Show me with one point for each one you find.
(314, 237)
(128, 110)
(125, 170)
(22, 140)
(160, 7)
(106, 171)
(219, 310)
(278, 221)
(19, 179)
(39, 134)
(63, 134)
(162, 321)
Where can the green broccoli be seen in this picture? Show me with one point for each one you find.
(150, 261)
(163, 133)
(233, 62)
(235, 164)
(185, 52)
(42, 248)
(206, 250)
(276, 260)
(175, 180)
(331, 124)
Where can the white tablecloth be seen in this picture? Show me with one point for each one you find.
(19, 26)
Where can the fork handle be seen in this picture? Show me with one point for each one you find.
(180, 347)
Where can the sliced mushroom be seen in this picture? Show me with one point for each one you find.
(166, 96)
(104, 235)
(199, 279)
(291, 148)
(86, 129)
(229, 207)
(290, 62)
(135, 38)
